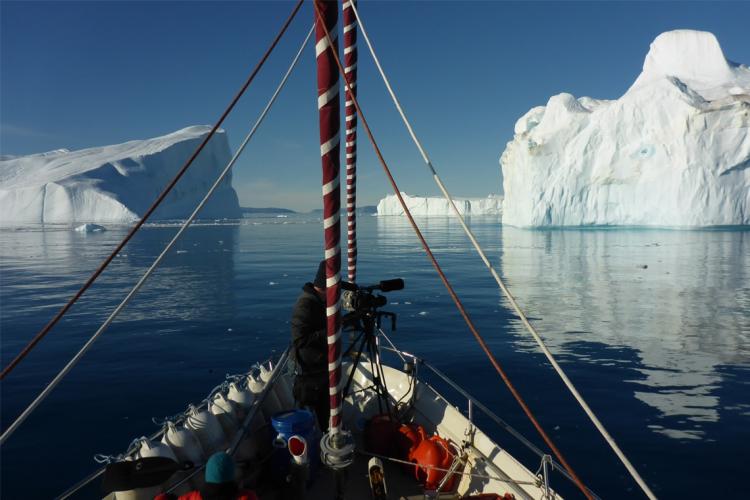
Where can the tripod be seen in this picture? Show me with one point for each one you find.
(368, 322)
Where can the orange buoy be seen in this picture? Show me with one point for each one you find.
(432, 452)
(407, 440)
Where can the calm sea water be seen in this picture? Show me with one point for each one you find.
(653, 326)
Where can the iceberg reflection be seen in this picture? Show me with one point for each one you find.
(679, 298)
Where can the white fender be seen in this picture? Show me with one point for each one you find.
(184, 444)
(255, 384)
(226, 411)
(242, 398)
(148, 448)
(207, 428)
(265, 373)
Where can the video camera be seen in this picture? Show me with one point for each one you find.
(363, 298)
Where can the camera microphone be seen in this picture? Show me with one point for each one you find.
(390, 285)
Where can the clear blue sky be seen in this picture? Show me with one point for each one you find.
(77, 75)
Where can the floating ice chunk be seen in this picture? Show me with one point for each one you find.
(90, 228)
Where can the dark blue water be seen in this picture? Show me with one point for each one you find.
(661, 352)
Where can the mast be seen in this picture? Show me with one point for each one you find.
(337, 445)
(328, 111)
(350, 71)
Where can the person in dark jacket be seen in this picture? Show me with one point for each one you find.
(310, 348)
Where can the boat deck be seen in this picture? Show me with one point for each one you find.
(356, 483)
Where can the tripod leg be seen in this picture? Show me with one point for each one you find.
(354, 367)
(381, 377)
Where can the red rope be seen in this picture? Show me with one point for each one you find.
(458, 303)
(330, 148)
(39, 336)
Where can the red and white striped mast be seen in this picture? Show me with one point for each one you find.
(350, 114)
(336, 445)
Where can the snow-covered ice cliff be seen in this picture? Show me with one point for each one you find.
(117, 183)
(492, 205)
(673, 151)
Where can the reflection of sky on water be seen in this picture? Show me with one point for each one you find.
(661, 353)
(41, 269)
(680, 298)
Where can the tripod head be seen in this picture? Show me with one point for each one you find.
(365, 316)
(364, 304)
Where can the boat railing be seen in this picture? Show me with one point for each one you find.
(254, 409)
(277, 369)
(472, 402)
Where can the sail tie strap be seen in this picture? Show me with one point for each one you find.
(452, 292)
(51, 386)
(529, 327)
(40, 335)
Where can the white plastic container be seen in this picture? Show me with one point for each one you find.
(226, 412)
(184, 444)
(207, 428)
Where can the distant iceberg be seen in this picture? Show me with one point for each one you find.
(673, 151)
(492, 205)
(117, 184)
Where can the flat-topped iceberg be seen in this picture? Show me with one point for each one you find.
(492, 205)
(117, 183)
(673, 151)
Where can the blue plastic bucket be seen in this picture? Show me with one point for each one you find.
(287, 424)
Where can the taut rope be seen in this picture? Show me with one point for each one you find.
(66, 369)
(455, 298)
(529, 327)
(39, 336)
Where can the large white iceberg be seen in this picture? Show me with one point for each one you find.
(492, 205)
(673, 151)
(118, 183)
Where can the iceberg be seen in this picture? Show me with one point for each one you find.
(117, 184)
(491, 205)
(674, 150)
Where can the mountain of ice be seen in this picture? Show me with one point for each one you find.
(118, 183)
(492, 205)
(673, 151)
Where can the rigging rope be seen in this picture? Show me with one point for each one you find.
(55, 381)
(350, 68)
(156, 203)
(456, 472)
(529, 327)
(455, 298)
